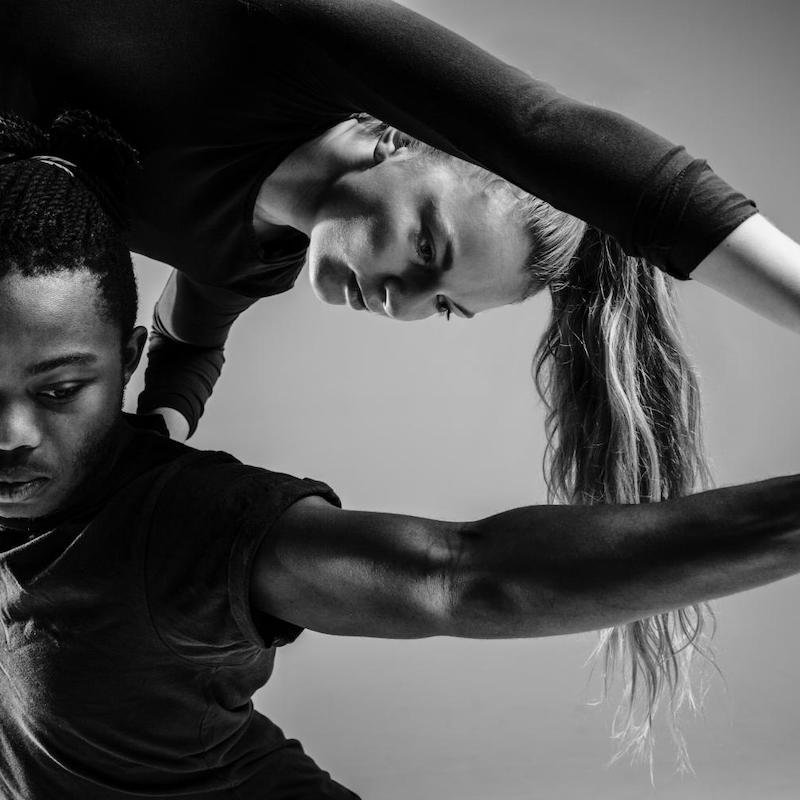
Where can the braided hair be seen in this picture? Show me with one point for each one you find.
(61, 205)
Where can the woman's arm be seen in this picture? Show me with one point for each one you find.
(177, 425)
(653, 197)
(191, 322)
(535, 571)
(759, 267)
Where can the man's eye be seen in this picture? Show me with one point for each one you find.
(425, 248)
(443, 307)
(61, 394)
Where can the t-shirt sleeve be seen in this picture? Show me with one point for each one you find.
(658, 201)
(207, 526)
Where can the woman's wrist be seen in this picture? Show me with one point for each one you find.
(177, 424)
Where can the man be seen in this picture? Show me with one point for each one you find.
(144, 585)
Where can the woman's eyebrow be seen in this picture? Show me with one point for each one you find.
(433, 219)
(68, 359)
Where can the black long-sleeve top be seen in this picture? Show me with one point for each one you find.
(216, 93)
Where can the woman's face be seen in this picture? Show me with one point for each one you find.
(413, 236)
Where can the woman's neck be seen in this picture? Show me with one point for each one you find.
(292, 193)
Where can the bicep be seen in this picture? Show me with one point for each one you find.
(355, 573)
(758, 266)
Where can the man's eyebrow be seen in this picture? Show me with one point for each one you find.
(80, 359)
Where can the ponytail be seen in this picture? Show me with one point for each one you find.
(623, 426)
(62, 204)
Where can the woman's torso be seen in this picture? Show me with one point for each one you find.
(213, 94)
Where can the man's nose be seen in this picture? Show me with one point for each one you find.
(18, 427)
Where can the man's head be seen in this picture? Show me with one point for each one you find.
(67, 339)
(63, 368)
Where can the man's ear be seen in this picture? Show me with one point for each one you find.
(390, 142)
(132, 351)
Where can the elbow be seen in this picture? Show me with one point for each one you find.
(489, 593)
(477, 599)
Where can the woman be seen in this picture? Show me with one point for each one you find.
(250, 106)
(240, 108)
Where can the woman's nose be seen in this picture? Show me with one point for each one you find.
(406, 301)
(411, 291)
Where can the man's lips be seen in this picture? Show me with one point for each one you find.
(19, 475)
(18, 491)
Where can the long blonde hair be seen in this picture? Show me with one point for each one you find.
(623, 426)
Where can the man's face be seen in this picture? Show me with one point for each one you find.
(62, 375)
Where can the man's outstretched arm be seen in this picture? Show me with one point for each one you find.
(534, 571)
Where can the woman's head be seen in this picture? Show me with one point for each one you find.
(420, 232)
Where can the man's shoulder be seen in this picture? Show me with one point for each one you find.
(150, 453)
(190, 476)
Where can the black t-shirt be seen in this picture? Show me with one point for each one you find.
(216, 93)
(130, 651)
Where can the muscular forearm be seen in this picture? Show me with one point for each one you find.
(549, 570)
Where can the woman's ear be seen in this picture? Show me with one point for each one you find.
(390, 141)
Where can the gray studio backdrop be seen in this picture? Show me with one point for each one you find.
(442, 420)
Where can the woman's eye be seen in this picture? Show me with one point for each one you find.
(425, 248)
(61, 394)
(443, 308)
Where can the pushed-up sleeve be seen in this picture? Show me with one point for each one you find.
(191, 322)
(658, 201)
(209, 522)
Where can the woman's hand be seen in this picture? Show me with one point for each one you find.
(759, 267)
(176, 423)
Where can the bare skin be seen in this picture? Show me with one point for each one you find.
(758, 267)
